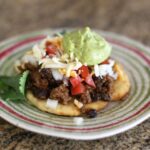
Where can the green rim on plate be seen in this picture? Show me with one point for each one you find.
(118, 117)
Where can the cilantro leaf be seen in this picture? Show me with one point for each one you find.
(10, 81)
(13, 87)
(22, 82)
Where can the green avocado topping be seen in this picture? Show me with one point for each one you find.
(89, 47)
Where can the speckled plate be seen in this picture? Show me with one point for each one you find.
(116, 118)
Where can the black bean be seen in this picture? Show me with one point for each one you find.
(92, 113)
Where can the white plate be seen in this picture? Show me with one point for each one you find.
(118, 118)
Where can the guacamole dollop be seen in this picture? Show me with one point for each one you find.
(89, 47)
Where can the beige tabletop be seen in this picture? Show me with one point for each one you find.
(128, 17)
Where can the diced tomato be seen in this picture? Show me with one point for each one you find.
(75, 81)
(50, 48)
(105, 61)
(84, 71)
(85, 74)
(89, 81)
(79, 89)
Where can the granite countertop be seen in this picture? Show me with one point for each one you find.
(127, 17)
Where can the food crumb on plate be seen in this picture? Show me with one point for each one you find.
(78, 120)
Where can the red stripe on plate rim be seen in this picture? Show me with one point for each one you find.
(14, 47)
(71, 129)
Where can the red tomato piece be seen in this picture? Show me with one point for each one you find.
(50, 48)
(79, 89)
(89, 81)
(105, 61)
(84, 71)
(75, 81)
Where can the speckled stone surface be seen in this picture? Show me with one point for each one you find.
(127, 17)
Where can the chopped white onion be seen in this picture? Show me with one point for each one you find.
(52, 103)
(104, 69)
(96, 70)
(78, 120)
(78, 104)
(56, 74)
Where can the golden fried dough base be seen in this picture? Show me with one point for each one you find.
(65, 110)
(120, 88)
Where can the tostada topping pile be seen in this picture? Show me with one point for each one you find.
(73, 67)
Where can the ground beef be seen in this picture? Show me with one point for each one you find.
(101, 92)
(103, 88)
(85, 97)
(38, 85)
(61, 94)
(40, 93)
(37, 80)
(43, 85)
(41, 82)
(47, 74)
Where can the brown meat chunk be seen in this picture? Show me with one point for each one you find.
(47, 74)
(37, 80)
(38, 85)
(40, 93)
(103, 88)
(86, 97)
(61, 94)
(101, 92)
(41, 82)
